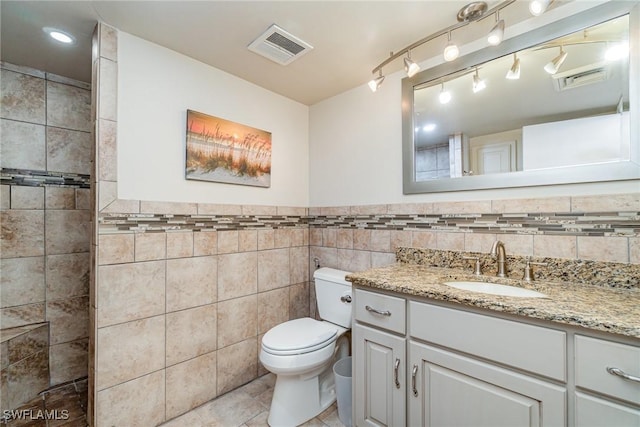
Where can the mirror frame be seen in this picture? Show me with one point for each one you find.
(614, 171)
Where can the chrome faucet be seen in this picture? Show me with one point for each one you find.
(497, 251)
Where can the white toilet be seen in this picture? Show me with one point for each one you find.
(302, 352)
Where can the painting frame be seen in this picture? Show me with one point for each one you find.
(223, 151)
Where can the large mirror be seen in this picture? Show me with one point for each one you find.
(515, 117)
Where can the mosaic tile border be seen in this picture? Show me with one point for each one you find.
(571, 224)
(36, 178)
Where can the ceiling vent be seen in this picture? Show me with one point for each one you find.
(279, 46)
(582, 76)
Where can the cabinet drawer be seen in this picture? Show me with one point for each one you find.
(531, 348)
(594, 356)
(380, 310)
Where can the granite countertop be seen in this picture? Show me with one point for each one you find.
(594, 307)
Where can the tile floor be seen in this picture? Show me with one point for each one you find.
(247, 406)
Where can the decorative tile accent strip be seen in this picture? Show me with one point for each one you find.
(606, 274)
(34, 178)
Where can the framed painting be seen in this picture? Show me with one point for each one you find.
(220, 150)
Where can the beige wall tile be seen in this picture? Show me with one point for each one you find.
(180, 244)
(122, 206)
(68, 319)
(191, 282)
(273, 269)
(477, 207)
(68, 150)
(108, 42)
(291, 210)
(22, 281)
(554, 246)
(5, 197)
(329, 237)
(60, 198)
(380, 240)
(634, 250)
(191, 333)
(353, 260)
(67, 231)
(273, 308)
(368, 210)
(361, 239)
(83, 198)
(27, 378)
(150, 246)
(227, 242)
(68, 107)
(328, 257)
(190, 384)
(297, 236)
(107, 151)
(27, 197)
(518, 244)
(130, 291)
(247, 240)
(299, 300)
(315, 237)
(129, 350)
(237, 320)
(610, 249)
(127, 405)
(32, 340)
(259, 210)
(23, 145)
(381, 259)
(344, 238)
(22, 233)
(480, 242)
(400, 238)
(107, 195)
(266, 239)
(237, 275)
(547, 204)
(23, 97)
(450, 241)
(424, 239)
(282, 237)
(410, 208)
(299, 264)
(606, 203)
(116, 248)
(22, 315)
(108, 83)
(333, 210)
(216, 209)
(237, 365)
(68, 361)
(174, 208)
(205, 243)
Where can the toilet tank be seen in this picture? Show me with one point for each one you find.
(331, 287)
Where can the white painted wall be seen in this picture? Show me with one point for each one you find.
(355, 145)
(156, 86)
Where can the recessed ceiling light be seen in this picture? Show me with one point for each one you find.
(59, 35)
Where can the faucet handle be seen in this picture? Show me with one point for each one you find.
(528, 270)
(478, 266)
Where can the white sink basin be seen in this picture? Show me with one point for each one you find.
(495, 289)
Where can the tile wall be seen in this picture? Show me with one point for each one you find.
(46, 160)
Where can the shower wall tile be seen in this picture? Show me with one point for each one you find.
(27, 197)
(185, 386)
(127, 292)
(191, 333)
(150, 246)
(634, 250)
(68, 361)
(67, 231)
(180, 244)
(108, 42)
(68, 151)
(22, 315)
(22, 233)
(23, 97)
(60, 197)
(26, 344)
(273, 308)
(273, 269)
(68, 319)
(5, 197)
(108, 102)
(107, 151)
(22, 281)
(126, 405)
(116, 248)
(27, 378)
(191, 282)
(130, 350)
(237, 365)
(68, 107)
(237, 320)
(67, 275)
(83, 198)
(237, 275)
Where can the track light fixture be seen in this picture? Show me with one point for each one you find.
(451, 50)
(410, 67)
(553, 66)
(478, 83)
(538, 7)
(495, 36)
(375, 83)
(514, 71)
(445, 96)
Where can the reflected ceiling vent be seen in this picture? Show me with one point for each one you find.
(582, 76)
(279, 46)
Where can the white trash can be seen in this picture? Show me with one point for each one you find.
(342, 372)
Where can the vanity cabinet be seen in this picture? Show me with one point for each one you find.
(419, 363)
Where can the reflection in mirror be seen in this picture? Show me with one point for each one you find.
(586, 97)
(555, 105)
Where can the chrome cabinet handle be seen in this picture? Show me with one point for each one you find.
(622, 374)
(396, 368)
(414, 373)
(376, 311)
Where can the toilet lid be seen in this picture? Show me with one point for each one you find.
(299, 336)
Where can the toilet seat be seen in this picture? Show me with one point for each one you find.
(299, 336)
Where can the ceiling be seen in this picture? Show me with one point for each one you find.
(350, 38)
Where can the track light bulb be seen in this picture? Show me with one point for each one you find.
(478, 83)
(496, 34)
(374, 84)
(445, 96)
(617, 51)
(410, 67)
(451, 50)
(514, 71)
(555, 64)
(538, 7)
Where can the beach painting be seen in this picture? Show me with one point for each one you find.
(220, 150)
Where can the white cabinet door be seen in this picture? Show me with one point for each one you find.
(446, 389)
(594, 412)
(379, 387)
